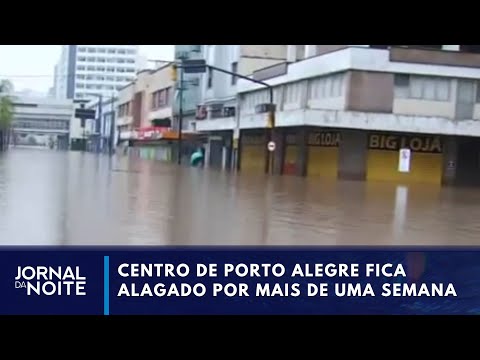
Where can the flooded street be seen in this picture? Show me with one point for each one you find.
(57, 198)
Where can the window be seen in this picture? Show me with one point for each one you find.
(110, 78)
(82, 58)
(130, 61)
(111, 51)
(120, 70)
(422, 87)
(130, 52)
(130, 78)
(121, 61)
(101, 60)
(91, 59)
(110, 60)
(119, 78)
(110, 87)
(98, 87)
(161, 98)
(119, 87)
(91, 68)
(110, 69)
(101, 51)
(80, 85)
(130, 70)
(101, 68)
(209, 78)
(92, 50)
(81, 77)
(324, 87)
(80, 68)
(89, 77)
(101, 78)
(234, 70)
(89, 86)
(121, 51)
(82, 49)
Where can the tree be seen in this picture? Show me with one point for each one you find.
(6, 111)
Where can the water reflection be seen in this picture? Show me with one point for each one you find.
(75, 198)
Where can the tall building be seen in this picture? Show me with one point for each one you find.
(85, 71)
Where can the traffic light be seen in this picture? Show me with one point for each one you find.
(173, 73)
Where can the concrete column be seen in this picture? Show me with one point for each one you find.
(291, 53)
(302, 136)
(451, 47)
(352, 157)
(450, 152)
(310, 50)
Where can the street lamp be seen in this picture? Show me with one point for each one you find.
(200, 66)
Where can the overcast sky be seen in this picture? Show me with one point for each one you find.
(31, 66)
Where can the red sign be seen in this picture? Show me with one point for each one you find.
(151, 133)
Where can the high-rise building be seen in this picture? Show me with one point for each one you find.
(85, 71)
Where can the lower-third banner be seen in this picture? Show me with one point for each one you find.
(238, 281)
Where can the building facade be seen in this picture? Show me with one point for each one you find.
(83, 70)
(41, 121)
(145, 115)
(346, 111)
(217, 112)
(102, 132)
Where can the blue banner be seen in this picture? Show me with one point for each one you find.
(239, 281)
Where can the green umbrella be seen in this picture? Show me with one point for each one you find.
(196, 158)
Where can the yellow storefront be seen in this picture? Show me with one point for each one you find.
(253, 149)
(425, 162)
(290, 159)
(323, 153)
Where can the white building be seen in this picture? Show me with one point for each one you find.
(84, 71)
(218, 108)
(371, 100)
(40, 120)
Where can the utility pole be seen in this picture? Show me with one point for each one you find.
(112, 128)
(180, 118)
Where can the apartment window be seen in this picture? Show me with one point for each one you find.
(101, 60)
(121, 61)
(110, 78)
(320, 88)
(422, 87)
(111, 51)
(80, 85)
(101, 78)
(79, 96)
(110, 60)
(119, 87)
(82, 58)
(161, 98)
(89, 86)
(121, 51)
(130, 61)
(91, 59)
(130, 70)
(130, 52)
(209, 78)
(110, 87)
(89, 77)
(101, 51)
(110, 69)
(81, 77)
(92, 50)
(82, 49)
(120, 70)
(81, 68)
(91, 68)
(98, 87)
(234, 70)
(101, 68)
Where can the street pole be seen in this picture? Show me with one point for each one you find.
(112, 128)
(99, 123)
(180, 119)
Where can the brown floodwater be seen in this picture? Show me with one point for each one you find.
(52, 198)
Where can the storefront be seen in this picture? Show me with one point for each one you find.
(253, 152)
(323, 153)
(423, 163)
(291, 155)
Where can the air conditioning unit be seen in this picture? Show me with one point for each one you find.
(228, 111)
(197, 48)
(182, 55)
(201, 112)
